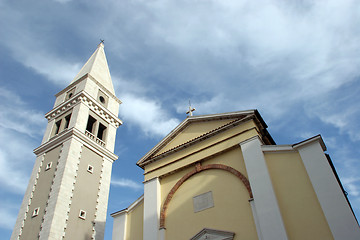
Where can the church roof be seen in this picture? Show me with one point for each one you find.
(233, 118)
(98, 68)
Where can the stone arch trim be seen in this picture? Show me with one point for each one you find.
(199, 168)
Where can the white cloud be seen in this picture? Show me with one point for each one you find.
(147, 114)
(63, 1)
(9, 214)
(21, 129)
(16, 115)
(127, 183)
(16, 160)
(352, 185)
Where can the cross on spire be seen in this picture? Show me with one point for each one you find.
(191, 109)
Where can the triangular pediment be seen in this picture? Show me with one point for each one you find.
(212, 234)
(196, 128)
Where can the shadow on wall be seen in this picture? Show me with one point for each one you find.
(99, 230)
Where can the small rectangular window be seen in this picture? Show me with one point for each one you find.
(90, 169)
(82, 214)
(90, 124)
(67, 121)
(57, 127)
(48, 166)
(36, 212)
(101, 132)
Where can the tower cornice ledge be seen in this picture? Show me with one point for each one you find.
(93, 79)
(73, 132)
(90, 102)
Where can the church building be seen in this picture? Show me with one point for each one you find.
(222, 176)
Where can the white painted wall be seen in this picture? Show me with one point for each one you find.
(119, 227)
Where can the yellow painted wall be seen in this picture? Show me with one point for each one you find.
(231, 211)
(300, 209)
(232, 158)
(134, 221)
(194, 130)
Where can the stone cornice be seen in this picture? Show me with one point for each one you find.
(316, 138)
(148, 159)
(93, 79)
(73, 132)
(90, 102)
(128, 209)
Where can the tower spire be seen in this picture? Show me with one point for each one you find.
(97, 67)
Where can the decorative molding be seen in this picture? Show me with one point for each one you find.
(277, 148)
(253, 114)
(205, 148)
(93, 236)
(83, 97)
(93, 79)
(199, 168)
(213, 234)
(73, 132)
(317, 138)
(51, 188)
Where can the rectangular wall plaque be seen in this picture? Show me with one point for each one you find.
(203, 201)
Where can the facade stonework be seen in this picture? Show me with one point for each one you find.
(252, 188)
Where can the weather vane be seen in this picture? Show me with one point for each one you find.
(190, 111)
(102, 41)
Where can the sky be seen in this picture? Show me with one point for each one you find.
(297, 62)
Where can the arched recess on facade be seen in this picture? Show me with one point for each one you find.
(199, 168)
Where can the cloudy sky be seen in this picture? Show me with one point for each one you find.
(296, 61)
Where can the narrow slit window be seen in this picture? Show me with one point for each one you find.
(101, 132)
(70, 93)
(90, 124)
(90, 169)
(67, 121)
(82, 214)
(57, 127)
(36, 212)
(48, 166)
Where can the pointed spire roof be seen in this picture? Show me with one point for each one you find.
(98, 68)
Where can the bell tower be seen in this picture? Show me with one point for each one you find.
(68, 190)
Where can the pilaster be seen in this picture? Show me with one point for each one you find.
(47, 133)
(336, 209)
(60, 197)
(265, 202)
(102, 200)
(152, 204)
(119, 226)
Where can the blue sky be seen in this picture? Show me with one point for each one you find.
(297, 62)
